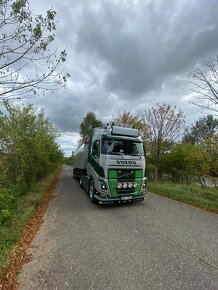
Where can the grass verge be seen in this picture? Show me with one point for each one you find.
(206, 199)
(16, 236)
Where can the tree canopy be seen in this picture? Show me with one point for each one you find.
(28, 62)
(128, 119)
(164, 124)
(89, 121)
(204, 84)
(188, 162)
(28, 150)
(204, 128)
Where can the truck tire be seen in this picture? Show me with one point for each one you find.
(91, 191)
(75, 174)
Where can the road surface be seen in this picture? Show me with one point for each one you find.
(157, 244)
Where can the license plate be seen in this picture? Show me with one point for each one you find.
(126, 197)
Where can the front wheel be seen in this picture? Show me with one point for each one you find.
(92, 191)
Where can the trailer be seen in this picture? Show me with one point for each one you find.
(111, 165)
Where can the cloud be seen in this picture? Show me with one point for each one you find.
(127, 55)
(69, 142)
(145, 45)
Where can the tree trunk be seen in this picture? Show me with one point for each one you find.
(156, 173)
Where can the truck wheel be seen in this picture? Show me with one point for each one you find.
(75, 174)
(91, 191)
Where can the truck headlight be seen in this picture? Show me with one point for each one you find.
(104, 186)
(125, 184)
(130, 184)
(119, 185)
(134, 184)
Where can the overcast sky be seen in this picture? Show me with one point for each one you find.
(126, 55)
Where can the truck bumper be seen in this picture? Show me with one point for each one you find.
(124, 198)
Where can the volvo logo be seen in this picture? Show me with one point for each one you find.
(126, 162)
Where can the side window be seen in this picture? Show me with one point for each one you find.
(96, 149)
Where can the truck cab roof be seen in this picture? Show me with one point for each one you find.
(121, 133)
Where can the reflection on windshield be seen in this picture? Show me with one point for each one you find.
(122, 147)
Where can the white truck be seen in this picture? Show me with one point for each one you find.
(111, 165)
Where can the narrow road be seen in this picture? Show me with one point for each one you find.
(157, 244)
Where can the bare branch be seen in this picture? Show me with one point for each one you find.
(24, 43)
(204, 82)
(164, 124)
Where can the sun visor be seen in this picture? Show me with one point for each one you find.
(125, 131)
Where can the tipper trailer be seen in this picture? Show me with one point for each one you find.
(110, 166)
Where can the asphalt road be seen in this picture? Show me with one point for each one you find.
(157, 244)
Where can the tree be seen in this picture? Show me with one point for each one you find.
(203, 129)
(164, 124)
(89, 122)
(205, 132)
(128, 119)
(188, 162)
(204, 82)
(28, 150)
(27, 62)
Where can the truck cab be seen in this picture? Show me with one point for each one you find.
(114, 167)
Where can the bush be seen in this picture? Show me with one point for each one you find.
(187, 162)
(6, 203)
(69, 160)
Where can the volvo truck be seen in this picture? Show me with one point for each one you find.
(110, 165)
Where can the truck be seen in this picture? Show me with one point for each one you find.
(110, 165)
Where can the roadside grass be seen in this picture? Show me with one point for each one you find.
(23, 211)
(206, 199)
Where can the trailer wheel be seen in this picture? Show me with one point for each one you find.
(91, 191)
(75, 174)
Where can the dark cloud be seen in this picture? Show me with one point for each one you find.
(143, 47)
(128, 55)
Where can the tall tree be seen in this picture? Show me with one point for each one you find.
(89, 122)
(128, 119)
(202, 130)
(204, 83)
(164, 124)
(28, 63)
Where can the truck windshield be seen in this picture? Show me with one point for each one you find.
(122, 147)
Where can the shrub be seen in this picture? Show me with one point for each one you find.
(6, 203)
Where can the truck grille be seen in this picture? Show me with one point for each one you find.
(124, 174)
